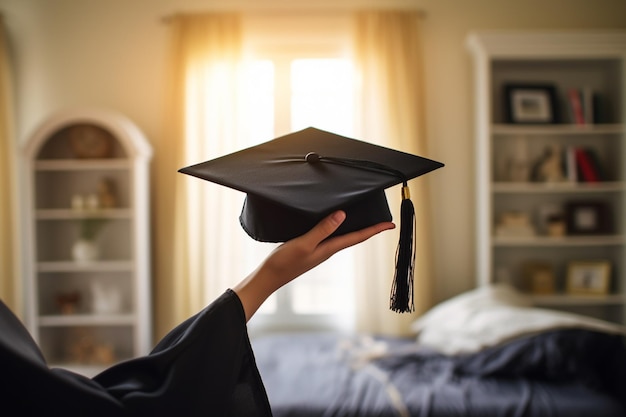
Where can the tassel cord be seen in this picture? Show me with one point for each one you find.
(402, 298)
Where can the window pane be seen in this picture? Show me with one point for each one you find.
(259, 102)
(322, 95)
(326, 289)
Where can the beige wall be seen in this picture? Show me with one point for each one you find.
(112, 53)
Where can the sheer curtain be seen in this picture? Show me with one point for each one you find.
(201, 249)
(389, 66)
(8, 221)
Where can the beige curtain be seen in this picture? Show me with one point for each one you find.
(388, 60)
(201, 250)
(8, 250)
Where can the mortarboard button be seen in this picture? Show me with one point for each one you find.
(294, 181)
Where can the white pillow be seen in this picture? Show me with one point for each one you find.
(491, 315)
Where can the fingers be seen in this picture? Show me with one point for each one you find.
(341, 242)
(316, 236)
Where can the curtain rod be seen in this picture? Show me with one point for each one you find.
(169, 17)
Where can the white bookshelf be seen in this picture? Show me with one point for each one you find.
(88, 333)
(595, 61)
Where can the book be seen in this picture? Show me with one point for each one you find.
(587, 166)
(576, 106)
(594, 159)
(570, 167)
(588, 107)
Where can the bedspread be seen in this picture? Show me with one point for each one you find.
(311, 375)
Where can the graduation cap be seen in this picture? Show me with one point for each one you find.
(294, 181)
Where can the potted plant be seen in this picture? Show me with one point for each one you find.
(85, 249)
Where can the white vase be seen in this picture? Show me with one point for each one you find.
(85, 250)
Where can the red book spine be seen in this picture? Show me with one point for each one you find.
(577, 106)
(585, 164)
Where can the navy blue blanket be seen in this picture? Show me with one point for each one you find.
(560, 373)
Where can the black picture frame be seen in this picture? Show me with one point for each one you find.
(587, 218)
(530, 103)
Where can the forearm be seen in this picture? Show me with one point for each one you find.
(254, 290)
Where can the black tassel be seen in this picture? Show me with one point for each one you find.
(402, 287)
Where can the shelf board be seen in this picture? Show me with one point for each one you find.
(95, 266)
(559, 187)
(87, 320)
(69, 214)
(81, 164)
(557, 129)
(564, 241)
(577, 300)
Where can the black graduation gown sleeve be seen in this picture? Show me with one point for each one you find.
(204, 367)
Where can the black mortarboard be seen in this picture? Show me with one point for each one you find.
(294, 181)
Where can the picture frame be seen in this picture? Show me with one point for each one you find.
(587, 218)
(588, 277)
(530, 103)
(539, 277)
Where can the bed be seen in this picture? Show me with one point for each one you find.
(484, 353)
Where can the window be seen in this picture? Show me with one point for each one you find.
(289, 92)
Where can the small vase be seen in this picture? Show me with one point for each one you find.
(85, 251)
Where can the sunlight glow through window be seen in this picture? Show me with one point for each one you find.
(321, 96)
(260, 100)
